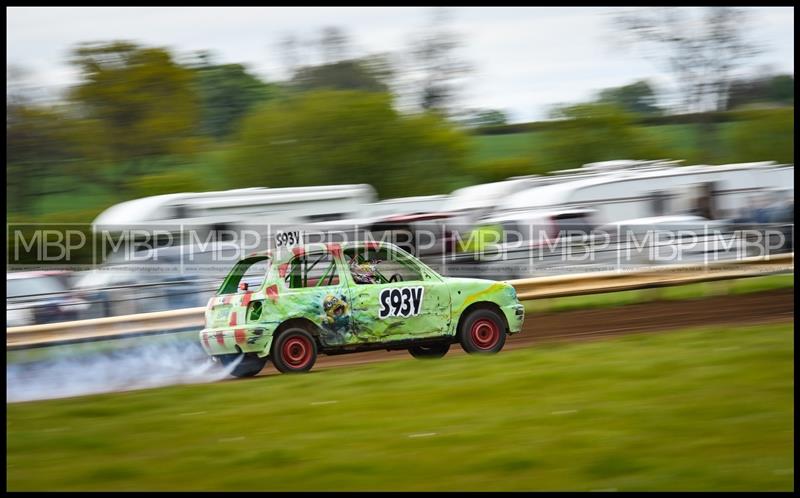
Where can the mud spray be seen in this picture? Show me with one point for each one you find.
(141, 366)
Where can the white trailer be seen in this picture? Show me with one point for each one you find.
(424, 204)
(240, 206)
(657, 190)
(279, 216)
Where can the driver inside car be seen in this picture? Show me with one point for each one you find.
(365, 272)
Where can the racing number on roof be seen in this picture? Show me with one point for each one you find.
(288, 239)
(405, 301)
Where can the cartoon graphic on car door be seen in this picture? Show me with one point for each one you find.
(394, 298)
(315, 289)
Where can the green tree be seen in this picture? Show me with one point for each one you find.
(636, 98)
(776, 90)
(477, 118)
(166, 183)
(336, 137)
(437, 69)
(142, 101)
(767, 136)
(226, 93)
(356, 74)
(781, 89)
(39, 147)
(495, 170)
(703, 52)
(593, 132)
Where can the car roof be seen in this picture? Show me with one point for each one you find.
(283, 255)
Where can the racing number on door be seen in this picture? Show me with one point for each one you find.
(405, 302)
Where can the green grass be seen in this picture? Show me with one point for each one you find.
(491, 147)
(677, 293)
(701, 409)
(679, 138)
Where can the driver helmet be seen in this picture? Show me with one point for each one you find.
(364, 273)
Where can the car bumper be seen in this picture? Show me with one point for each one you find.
(233, 340)
(515, 316)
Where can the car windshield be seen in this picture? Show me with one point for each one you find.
(20, 287)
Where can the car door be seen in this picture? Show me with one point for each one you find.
(404, 301)
(316, 290)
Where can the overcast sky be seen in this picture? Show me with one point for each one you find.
(525, 59)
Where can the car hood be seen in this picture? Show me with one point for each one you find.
(472, 285)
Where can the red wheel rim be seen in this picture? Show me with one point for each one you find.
(297, 351)
(485, 334)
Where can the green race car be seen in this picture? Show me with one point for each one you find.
(344, 298)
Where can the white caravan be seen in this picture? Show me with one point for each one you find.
(283, 214)
(407, 205)
(469, 205)
(657, 189)
(241, 206)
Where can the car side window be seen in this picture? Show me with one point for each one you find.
(312, 270)
(380, 266)
(251, 271)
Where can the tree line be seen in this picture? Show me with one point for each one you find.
(142, 121)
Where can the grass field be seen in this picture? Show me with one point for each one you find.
(702, 409)
(677, 137)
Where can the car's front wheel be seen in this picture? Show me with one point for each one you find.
(482, 331)
(429, 351)
(250, 365)
(295, 350)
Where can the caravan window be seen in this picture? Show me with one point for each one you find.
(572, 222)
(658, 201)
(313, 218)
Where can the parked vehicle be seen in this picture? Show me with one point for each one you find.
(407, 206)
(656, 189)
(169, 278)
(187, 218)
(535, 242)
(39, 297)
(673, 240)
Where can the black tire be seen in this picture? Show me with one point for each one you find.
(294, 351)
(250, 365)
(483, 331)
(429, 351)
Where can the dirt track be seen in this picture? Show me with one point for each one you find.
(762, 307)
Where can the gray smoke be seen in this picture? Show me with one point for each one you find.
(151, 364)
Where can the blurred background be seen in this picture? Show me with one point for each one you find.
(395, 118)
(143, 143)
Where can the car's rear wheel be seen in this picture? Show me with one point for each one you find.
(483, 331)
(250, 365)
(429, 351)
(295, 350)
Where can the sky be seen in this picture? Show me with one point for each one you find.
(524, 59)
